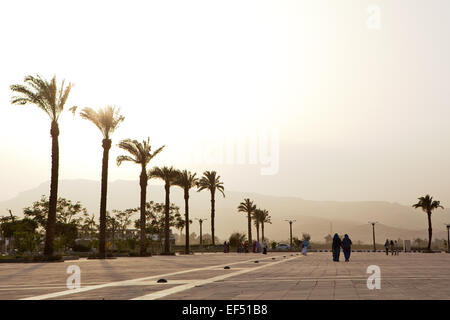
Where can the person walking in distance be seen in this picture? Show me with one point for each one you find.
(391, 244)
(264, 247)
(305, 247)
(347, 247)
(336, 247)
(386, 246)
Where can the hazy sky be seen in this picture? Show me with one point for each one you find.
(355, 113)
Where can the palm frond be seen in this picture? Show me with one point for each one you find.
(156, 152)
(427, 204)
(29, 97)
(73, 110)
(186, 180)
(141, 152)
(43, 94)
(247, 206)
(265, 216)
(167, 174)
(105, 119)
(63, 96)
(123, 158)
(130, 146)
(210, 181)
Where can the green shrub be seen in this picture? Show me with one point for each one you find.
(42, 258)
(26, 241)
(81, 248)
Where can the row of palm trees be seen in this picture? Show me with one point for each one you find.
(260, 217)
(51, 99)
(426, 203)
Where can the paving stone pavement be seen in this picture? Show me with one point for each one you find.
(202, 276)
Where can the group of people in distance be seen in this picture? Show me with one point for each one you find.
(345, 244)
(391, 245)
(243, 247)
(338, 243)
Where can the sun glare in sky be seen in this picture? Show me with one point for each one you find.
(349, 103)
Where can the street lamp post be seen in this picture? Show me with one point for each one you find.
(290, 230)
(373, 234)
(201, 234)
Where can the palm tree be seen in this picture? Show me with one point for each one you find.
(248, 207)
(89, 225)
(211, 182)
(265, 218)
(186, 180)
(49, 98)
(140, 154)
(257, 216)
(169, 176)
(106, 120)
(428, 205)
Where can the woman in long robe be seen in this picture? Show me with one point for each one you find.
(336, 247)
(347, 247)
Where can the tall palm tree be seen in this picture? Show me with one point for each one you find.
(211, 182)
(265, 218)
(248, 207)
(140, 153)
(257, 216)
(106, 120)
(169, 176)
(186, 180)
(428, 205)
(49, 98)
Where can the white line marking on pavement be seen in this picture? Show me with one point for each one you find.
(131, 281)
(167, 292)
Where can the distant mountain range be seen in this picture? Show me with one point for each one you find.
(318, 218)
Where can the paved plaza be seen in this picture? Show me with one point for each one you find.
(202, 276)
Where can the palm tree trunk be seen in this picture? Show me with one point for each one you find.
(212, 218)
(430, 231)
(262, 231)
(51, 220)
(186, 219)
(250, 242)
(143, 183)
(257, 232)
(167, 220)
(104, 186)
